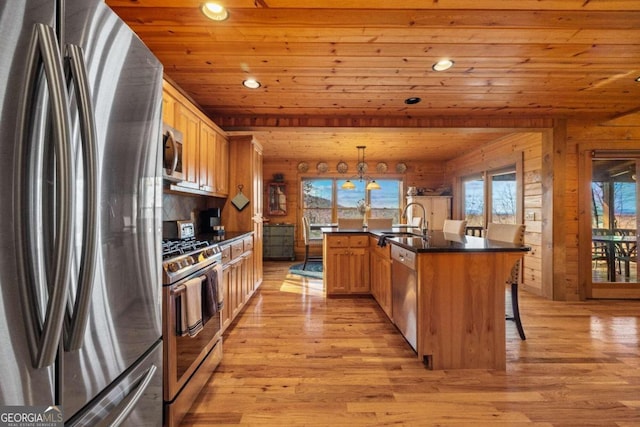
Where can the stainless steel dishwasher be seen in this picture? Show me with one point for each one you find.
(404, 293)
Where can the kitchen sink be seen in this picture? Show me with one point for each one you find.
(399, 234)
(382, 240)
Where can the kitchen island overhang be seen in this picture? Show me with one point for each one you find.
(460, 296)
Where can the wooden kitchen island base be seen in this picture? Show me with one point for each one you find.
(461, 309)
(445, 293)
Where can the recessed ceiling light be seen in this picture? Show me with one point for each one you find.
(214, 11)
(638, 79)
(442, 65)
(251, 83)
(412, 100)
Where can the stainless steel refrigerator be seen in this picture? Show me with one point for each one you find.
(80, 214)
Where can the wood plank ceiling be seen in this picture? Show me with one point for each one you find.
(327, 67)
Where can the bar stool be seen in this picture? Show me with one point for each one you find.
(512, 233)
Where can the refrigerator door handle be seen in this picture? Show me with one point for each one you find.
(43, 333)
(78, 311)
(126, 405)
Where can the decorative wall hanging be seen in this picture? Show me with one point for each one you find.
(322, 167)
(303, 167)
(342, 167)
(381, 167)
(240, 201)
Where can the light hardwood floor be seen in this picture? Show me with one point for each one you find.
(296, 358)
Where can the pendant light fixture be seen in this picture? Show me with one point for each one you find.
(361, 168)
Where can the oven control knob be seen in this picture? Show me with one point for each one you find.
(174, 266)
(207, 253)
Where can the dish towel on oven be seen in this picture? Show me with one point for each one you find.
(212, 293)
(192, 307)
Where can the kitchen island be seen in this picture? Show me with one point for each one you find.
(447, 291)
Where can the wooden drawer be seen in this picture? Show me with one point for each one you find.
(226, 254)
(248, 243)
(341, 241)
(359, 241)
(237, 248)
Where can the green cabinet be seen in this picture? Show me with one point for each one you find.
(279, 241)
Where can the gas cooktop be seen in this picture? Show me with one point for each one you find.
(181, 258)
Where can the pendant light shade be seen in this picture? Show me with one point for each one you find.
(373, 185)
(348, 185)
(361, 168)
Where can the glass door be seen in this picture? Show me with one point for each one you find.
(473, 203)
(503, 196)
(614, 223)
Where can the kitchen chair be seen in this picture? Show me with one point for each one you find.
(512, 233)
(350, 223)
(455, 226)
(416, 221)
(599, 250)
(474, 230)
(380, 223)
(309, 243)
(625, 252)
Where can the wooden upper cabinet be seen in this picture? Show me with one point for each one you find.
(222, 165)
(188, 123)
(205, 146)
(214, 160)
(208, 137)
(168, 107)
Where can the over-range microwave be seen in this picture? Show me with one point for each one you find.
(172, 158)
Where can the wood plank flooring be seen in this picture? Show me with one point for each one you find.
(296, 358)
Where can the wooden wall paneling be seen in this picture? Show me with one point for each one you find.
(497, 154)
(554, 208)
(418, 174)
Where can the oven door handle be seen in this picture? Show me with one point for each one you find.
(179, 291)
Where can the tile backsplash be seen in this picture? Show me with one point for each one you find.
(176, 207)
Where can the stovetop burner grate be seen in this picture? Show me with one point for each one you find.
(174, 248)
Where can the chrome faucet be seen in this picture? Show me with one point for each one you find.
(424, 216)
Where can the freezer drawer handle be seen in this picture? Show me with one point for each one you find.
(44, 248)
(78, 313)
(124, 408)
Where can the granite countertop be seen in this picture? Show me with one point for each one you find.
(228, 237)
(436, 241)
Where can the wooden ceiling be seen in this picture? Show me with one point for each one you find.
(328, 66)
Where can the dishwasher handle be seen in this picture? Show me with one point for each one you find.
(403, 256)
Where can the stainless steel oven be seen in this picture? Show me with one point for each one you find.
(173, 168)
(188, 361)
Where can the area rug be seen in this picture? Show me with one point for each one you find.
(313, 269)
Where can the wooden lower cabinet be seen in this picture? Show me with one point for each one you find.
(239, 277)
(227, 305)
(346, 264)
(380, 273)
